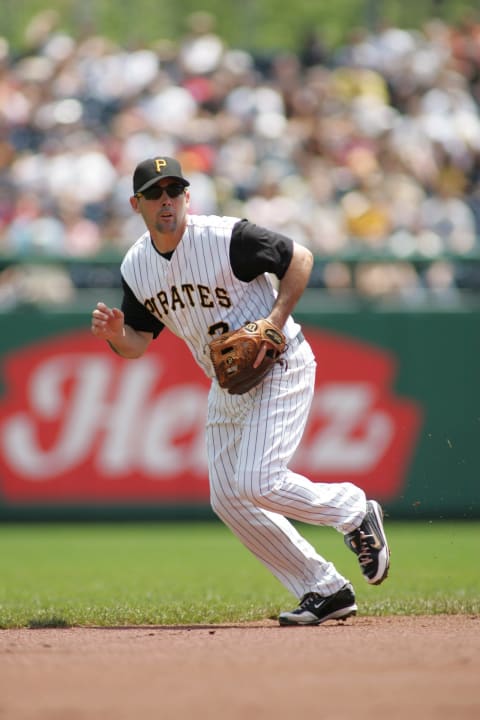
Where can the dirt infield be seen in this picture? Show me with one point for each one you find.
(395, 667)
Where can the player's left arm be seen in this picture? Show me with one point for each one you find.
(290, 289)
(255, 250)
(292, 285)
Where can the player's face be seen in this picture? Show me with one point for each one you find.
(163, 206)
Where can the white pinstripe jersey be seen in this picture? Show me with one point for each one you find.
(195, 293)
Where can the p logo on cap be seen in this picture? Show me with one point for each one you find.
(159, 164)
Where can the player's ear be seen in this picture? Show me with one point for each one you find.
(134, 203)
(187, 197)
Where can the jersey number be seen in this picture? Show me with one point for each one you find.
(219, 328)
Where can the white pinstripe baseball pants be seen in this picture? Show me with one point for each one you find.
(251, 439)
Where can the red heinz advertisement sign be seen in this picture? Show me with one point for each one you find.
(78, 424)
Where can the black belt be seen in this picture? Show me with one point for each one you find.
(297, 340)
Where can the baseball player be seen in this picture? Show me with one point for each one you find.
(203, 275)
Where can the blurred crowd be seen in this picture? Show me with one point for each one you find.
(372, 147)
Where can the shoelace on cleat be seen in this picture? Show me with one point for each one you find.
(306, 601)
(365, 554)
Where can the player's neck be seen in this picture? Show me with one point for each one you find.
(166, 242)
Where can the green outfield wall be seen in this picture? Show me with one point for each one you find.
(85, 434)
(438, 363)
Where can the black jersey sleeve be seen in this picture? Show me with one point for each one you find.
(255, 250)
(137, 315)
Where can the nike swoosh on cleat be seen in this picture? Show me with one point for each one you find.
(376, 544)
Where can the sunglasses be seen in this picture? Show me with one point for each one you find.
(155, 193)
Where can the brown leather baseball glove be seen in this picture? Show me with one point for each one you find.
(233, 355)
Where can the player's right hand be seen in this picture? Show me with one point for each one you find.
(107, 323)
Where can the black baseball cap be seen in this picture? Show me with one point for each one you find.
(150, 171)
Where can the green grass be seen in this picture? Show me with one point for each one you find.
(135, 574)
